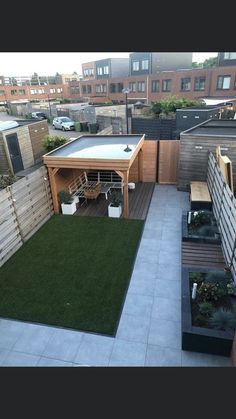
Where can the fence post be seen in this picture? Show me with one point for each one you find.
(9, 188)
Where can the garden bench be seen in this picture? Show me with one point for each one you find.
(200, 196)
(79, 184)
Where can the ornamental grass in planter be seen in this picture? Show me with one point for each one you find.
(209, 319)
(200, 226)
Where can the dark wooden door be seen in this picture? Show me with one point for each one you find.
(14, 152)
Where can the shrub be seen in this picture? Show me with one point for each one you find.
(65, 197)
(50, 142)
(210, 292)
(200, 218)
(223, 319)
(7, 180)
(206, 308)
(200, 320)
(207, 230)
(116, 199)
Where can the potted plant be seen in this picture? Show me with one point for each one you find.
(115, 207)
(68, 203)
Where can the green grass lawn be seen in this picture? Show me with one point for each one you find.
(74, 272)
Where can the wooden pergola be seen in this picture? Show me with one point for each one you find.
(61, 158)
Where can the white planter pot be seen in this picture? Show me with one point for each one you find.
(114, 211)
(68, 209)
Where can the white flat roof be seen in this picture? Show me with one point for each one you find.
(99, 147)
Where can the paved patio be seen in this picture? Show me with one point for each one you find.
(149, 332)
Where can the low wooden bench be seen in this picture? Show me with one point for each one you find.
(200, 196)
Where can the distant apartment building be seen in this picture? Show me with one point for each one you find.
(226, 58)
(34, 92)
(154, 62)
(88, 70)
(112, 67)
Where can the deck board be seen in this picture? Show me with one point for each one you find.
(139, 201)
(202, 255)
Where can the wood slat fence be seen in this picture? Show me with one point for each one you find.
(224, 209)
(24, 207)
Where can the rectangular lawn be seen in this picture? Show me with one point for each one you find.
(74, 272)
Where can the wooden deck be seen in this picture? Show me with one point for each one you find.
(139, 201)
(202, 255)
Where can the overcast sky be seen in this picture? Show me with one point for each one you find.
(48, 63)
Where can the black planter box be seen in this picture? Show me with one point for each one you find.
(201, 339)
(192, 238)
(201, 205)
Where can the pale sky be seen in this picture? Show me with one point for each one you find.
(48, 63)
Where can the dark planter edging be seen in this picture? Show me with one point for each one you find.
(201, 339)
(191, 238)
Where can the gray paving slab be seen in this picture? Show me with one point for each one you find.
(128, 354)
(158, 356)
(166, 309)
(63, 345)
(142, 286)
(170, 273)
(19, 359)
(138, 305)
(3, 355)
(95, 350)
(10, 331)
(49, 362)
(197, 359)
(165, 333)
(168, 289)
(133, 328)
(33, 339)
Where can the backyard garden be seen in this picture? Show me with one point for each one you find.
(74, 273)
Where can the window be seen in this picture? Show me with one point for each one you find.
(99, 71)
(52, 90)
(101, 88)
(155, 85)
(230, 55)
(13, 92)
(144, 64)
(75, 90)
(135, 65)
(21, 92)
(166, 85)
(86, 88)
(41, 91)
(106, 69)
(116, 87)
(185, 84)
(33, 92)
(2, 93)
(90, 71)
(199, 83)
(132, 86)
(223, 82)
(86, 72)
(59, 90)
(141, 86)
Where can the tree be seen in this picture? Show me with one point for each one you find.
(210, 62)
(50, 142)
(171, 103)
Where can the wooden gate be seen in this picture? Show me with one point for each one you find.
(168, 158)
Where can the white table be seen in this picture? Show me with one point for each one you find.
(105, 189)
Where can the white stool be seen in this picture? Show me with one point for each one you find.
(131, 185)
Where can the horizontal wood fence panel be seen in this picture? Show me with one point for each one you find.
(24, 207)
(224, 209)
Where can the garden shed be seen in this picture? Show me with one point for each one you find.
(121, 154)
(21, 144)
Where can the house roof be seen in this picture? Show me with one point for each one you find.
(99, 147)
(106, 152)
(214, 127)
